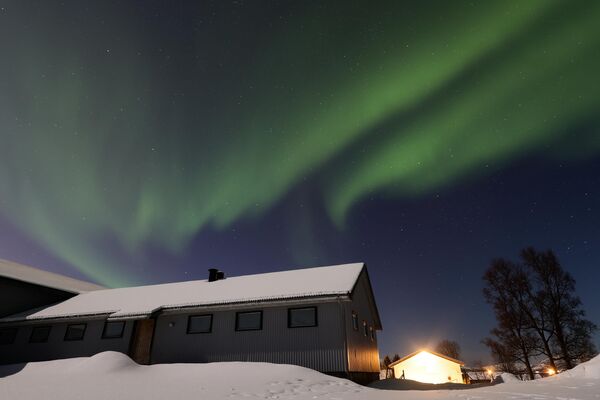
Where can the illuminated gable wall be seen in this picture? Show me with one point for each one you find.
(429, 368)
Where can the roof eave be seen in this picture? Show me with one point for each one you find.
(115, 316)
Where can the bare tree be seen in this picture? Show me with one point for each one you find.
(448, 348)
(505, 287)
(386, 364)
(504, 358)
(537, 312)
(556, 300)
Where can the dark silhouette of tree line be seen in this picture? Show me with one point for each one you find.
(385, 365)
(538, 314)
(449, 348)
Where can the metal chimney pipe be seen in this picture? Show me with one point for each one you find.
(212, 274)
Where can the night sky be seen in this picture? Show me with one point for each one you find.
(144, 142)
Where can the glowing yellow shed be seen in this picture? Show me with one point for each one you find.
(429, 367)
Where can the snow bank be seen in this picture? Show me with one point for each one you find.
(113, 375)
(589, 370)
(506, 377)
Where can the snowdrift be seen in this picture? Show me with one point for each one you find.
(506, 377)
(590, 370)
(113, 375)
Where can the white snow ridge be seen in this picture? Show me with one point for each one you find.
(112, 375)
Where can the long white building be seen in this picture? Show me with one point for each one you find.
(323, 318)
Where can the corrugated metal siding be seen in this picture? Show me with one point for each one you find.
(363, 353)
(320, 348)
(56, 347)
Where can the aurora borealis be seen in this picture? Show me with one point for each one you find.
(137, 137)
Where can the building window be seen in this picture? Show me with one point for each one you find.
(365, 328)
(200, 323)
(354, 321)
(113, 329)
(7, 336)
(302, 317)
(372, 332)
(39, 334)
(75, 332)
(248, 321)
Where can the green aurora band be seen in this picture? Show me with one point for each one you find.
(105, 145)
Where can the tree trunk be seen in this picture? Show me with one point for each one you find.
(548, 352)
(539, 329)
(527, 363)
(560, 338)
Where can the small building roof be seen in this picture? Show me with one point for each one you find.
(142, 301)
(426, 351)
(35, 276)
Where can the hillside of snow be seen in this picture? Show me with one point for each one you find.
(113, 375)
(589, 370)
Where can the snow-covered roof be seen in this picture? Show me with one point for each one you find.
(141, 301)
(24, 273)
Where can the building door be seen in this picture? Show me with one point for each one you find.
(141, 342)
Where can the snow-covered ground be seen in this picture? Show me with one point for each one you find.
(114, 376)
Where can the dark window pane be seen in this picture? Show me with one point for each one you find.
(39, 334)
(75, 332)
(249, 321)
(200, 324)
(113, 329)
(299, 317)
(365, 328)
(7, 336)
(354, 321)
(372, 332)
